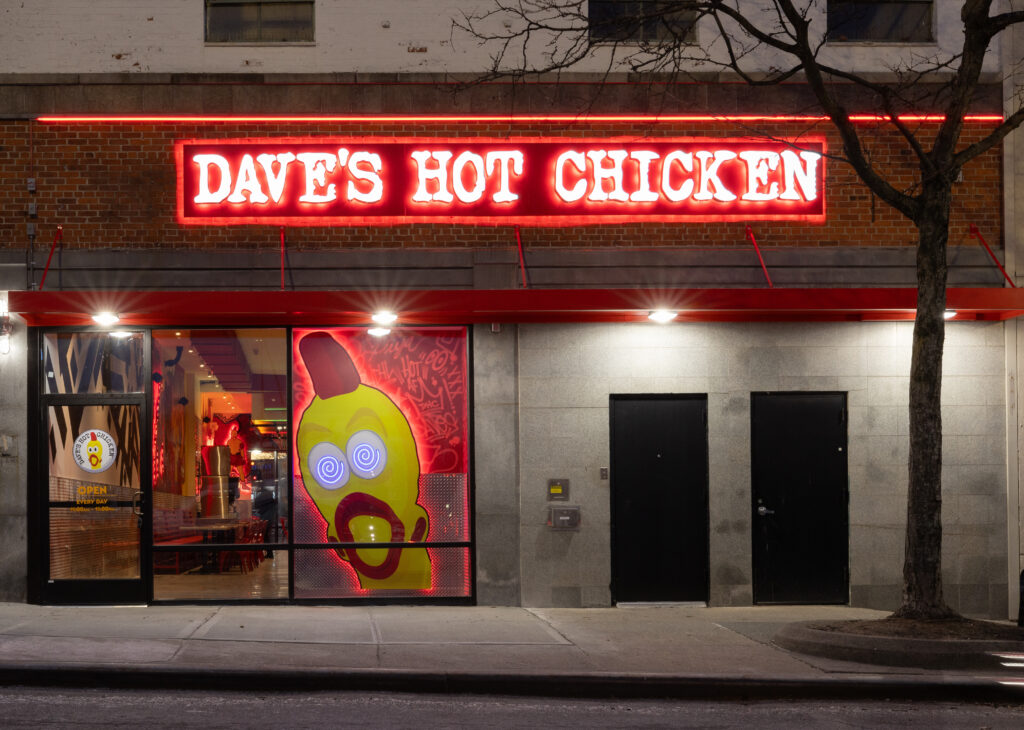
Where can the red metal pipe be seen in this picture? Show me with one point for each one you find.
(977, 234)
(750, 235)
(282, 258)
(522, 261)
(59, 236)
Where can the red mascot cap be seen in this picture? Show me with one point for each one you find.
(329, 364)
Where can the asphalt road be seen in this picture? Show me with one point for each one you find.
(93, 708)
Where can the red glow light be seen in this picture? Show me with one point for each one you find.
(483, 118)
(425, 374)
(491, 181)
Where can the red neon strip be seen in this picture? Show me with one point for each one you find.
(480, 119)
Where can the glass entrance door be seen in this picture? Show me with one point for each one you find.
(95, 502)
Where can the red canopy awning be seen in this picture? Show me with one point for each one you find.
(237, 308)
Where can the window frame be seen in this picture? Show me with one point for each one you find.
(690, 39)
(932, 35)
(259, 42)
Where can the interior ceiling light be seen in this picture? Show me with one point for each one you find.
(121, 334)
(662, 315)
(378, 331)
(949, 314)
(384, 317)
(105, 319)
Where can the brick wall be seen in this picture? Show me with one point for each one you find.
(113, 186)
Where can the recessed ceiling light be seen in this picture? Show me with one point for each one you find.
(662, 315)
(105, 319)
(384, 317)
(378, 331)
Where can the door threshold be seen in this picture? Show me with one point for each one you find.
(658, 604)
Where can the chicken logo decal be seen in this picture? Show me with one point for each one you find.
(94, 451)
(357, 456)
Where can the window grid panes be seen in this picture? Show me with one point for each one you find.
(892, 21)
(639, 21)
(284, 21)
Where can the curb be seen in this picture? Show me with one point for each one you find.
(804, 638)
(592, 685)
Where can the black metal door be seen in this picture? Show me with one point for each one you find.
(799, 506)
(659, 490)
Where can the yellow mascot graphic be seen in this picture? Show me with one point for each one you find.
(358, 461)
(95, 451)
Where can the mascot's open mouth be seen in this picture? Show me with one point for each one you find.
(358, 504)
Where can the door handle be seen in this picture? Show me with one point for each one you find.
(137, 503)
(762, 510)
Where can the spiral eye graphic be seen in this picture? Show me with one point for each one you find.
(367, 454)
(328, 465)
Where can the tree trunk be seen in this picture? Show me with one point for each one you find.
(922, 563)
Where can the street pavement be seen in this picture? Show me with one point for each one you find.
(628, 651)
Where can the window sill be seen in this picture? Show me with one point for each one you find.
(259, 44)
(873, 43)
(633, 42)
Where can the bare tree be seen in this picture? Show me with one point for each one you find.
(551, 36)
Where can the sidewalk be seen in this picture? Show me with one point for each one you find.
(658, 651)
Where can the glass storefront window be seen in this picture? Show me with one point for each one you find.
(94, 483)
(381, 455)
(78, 363)
(220, 464)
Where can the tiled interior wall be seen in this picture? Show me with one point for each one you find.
(566, 373)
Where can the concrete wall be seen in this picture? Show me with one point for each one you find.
(496, 465)
(566, 373)
(13, 468)
(362, 36)
(1013, 233)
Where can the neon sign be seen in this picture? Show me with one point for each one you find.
(527, 181)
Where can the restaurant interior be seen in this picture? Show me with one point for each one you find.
(220, 464)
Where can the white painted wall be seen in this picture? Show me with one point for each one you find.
(566, 373)
(355, 36)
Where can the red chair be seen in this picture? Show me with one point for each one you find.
(252, 558)
(229, 557)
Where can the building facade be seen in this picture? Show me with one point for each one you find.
(524, 435)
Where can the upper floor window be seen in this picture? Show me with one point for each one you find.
(640, 20)
(280, 21)
(888, 21)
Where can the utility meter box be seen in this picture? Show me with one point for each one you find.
(565, 517)
(558, 490)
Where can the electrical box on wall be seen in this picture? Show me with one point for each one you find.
(558, 490)
(564, 517)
